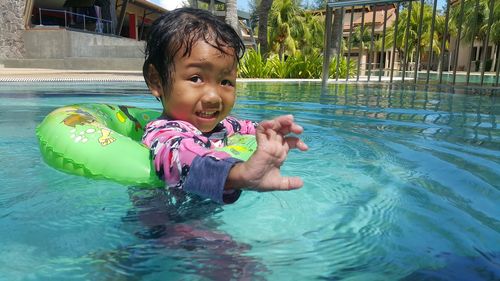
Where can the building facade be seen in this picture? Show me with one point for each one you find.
(12, 23)
(78, 34)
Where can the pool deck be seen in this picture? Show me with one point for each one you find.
(57, 75)
(61, 75)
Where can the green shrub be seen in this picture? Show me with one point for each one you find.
(279, 68)
(253, 65)
(306, 66)
(342, 69)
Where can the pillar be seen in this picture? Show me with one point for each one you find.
(132, 26)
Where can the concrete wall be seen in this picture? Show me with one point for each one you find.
(59, 43)
(59, 48)
(11, 29)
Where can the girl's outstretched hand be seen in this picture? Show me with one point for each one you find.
(262, 171)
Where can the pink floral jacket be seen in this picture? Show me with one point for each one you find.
(185, 158)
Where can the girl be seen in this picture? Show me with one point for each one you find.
(191, 66)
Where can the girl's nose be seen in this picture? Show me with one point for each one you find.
(211, 97)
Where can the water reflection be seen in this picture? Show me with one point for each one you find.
(181, 231)
(468, 115)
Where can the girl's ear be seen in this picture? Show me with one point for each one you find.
(154, 82)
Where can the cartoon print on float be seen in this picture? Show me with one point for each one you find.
(82, 118)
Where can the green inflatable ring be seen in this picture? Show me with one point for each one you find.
(102, 141)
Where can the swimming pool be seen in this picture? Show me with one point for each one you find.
(400, 183)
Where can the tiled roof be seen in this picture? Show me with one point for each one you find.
(368, 20)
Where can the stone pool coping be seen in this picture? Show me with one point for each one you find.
(56, 75)
(63, 75)
(60, 75)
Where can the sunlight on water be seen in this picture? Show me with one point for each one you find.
(400, 183)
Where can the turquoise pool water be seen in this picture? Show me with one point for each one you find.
(400, 183)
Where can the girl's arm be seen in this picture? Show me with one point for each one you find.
(185, 160)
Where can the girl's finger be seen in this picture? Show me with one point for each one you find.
(282, 124)
(290, 183)
(294, 142)
(260, 135)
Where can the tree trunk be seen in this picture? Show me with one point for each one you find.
(281, 51)
(417, 60)
(495, 56)
(440, 64)
(401, 59)
(211, 6)
(232, 16)
(263, 12)
(338, 26)
(362, 62)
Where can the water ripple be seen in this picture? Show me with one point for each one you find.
(399, 183)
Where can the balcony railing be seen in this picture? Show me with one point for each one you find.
(52, 17)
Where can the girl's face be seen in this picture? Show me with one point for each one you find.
(203, 89)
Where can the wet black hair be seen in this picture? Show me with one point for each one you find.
(178, 31)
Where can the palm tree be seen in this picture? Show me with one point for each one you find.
(337, 26)
(263, 13)
(286, 25)
(409, 40)
(495, 34)
(337, 29)
(361, 39)
(193, 3)
(476, 20)
(232, 15)
(312, 30)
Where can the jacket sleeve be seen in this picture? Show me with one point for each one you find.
(244, 127)
(187, 161)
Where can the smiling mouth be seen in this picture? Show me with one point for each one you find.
(207, 114)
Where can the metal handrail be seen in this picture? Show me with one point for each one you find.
(99, 28)
(338, 4)
(414, 66)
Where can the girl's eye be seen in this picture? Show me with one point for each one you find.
(195, 79)
(227, 83)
